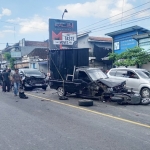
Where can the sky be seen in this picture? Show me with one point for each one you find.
(29, 19)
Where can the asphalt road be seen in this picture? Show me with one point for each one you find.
(43, 122)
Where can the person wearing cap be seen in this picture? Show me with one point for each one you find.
(16, 78)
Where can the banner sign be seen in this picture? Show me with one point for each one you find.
(62, 34)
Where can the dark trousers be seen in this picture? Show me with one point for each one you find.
(6, 84)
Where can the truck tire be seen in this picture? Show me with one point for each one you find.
(61, 91)
(85, 102)
(63, 98)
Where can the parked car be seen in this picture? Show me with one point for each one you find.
(33, 78)
(136, 79)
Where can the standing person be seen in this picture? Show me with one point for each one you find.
(1, 78)
(6, 81)
(16, 81)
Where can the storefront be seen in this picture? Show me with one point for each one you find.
(144, 42)
(123, 39)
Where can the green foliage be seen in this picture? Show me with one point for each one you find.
(131, 57)
(12, 63)
(7, 56)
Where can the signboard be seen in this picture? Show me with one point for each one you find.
(16, 54)
(62, 34)
(123, 45)
(116, 46)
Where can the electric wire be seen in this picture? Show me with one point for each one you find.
(118, 20)
(115, 15)
(136, 20)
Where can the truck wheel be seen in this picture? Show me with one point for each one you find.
(61, 91)
(85, 102)
(63, 98)
(145, 101)
(145, 93)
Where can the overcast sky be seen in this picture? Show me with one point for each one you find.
(29, 19)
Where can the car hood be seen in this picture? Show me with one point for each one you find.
(111, 82)
(35, 76)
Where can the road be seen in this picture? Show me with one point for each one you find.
(43, 122)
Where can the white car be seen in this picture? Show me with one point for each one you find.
(136, 79)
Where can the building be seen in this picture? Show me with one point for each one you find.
(123, 39)
(24, 47)
(99, 47)
(144, 42)
(37, 59)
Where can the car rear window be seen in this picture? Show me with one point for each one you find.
(112, 72)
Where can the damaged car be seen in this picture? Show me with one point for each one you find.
(93, 83)
(33, 78)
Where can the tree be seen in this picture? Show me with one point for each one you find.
(131, 57)
(11, 60)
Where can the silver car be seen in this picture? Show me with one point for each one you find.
(136, 79)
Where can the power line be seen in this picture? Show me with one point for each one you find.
(124, 18)
(144, 18)
(115, 15)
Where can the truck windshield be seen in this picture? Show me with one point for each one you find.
(96, 74)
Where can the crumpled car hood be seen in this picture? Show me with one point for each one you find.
(35, 76)
(111, 82)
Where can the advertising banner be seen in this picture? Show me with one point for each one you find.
(123, 45)
(62, 34)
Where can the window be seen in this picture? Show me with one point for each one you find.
(143, 74)
(121, 73)
(96, 74)
(112, 72)
(83, 76)
(131, 74)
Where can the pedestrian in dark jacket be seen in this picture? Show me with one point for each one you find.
(1, 78)
(6, 81)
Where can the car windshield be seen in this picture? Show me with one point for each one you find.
(96, 74)
(33, 72)
(143, 74)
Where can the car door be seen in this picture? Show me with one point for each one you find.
(132, 81)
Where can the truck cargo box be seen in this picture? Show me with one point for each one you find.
(64, 61)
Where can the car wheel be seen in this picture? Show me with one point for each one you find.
(145, 101)
(145, 93)
(85, 102)
(61, 91)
